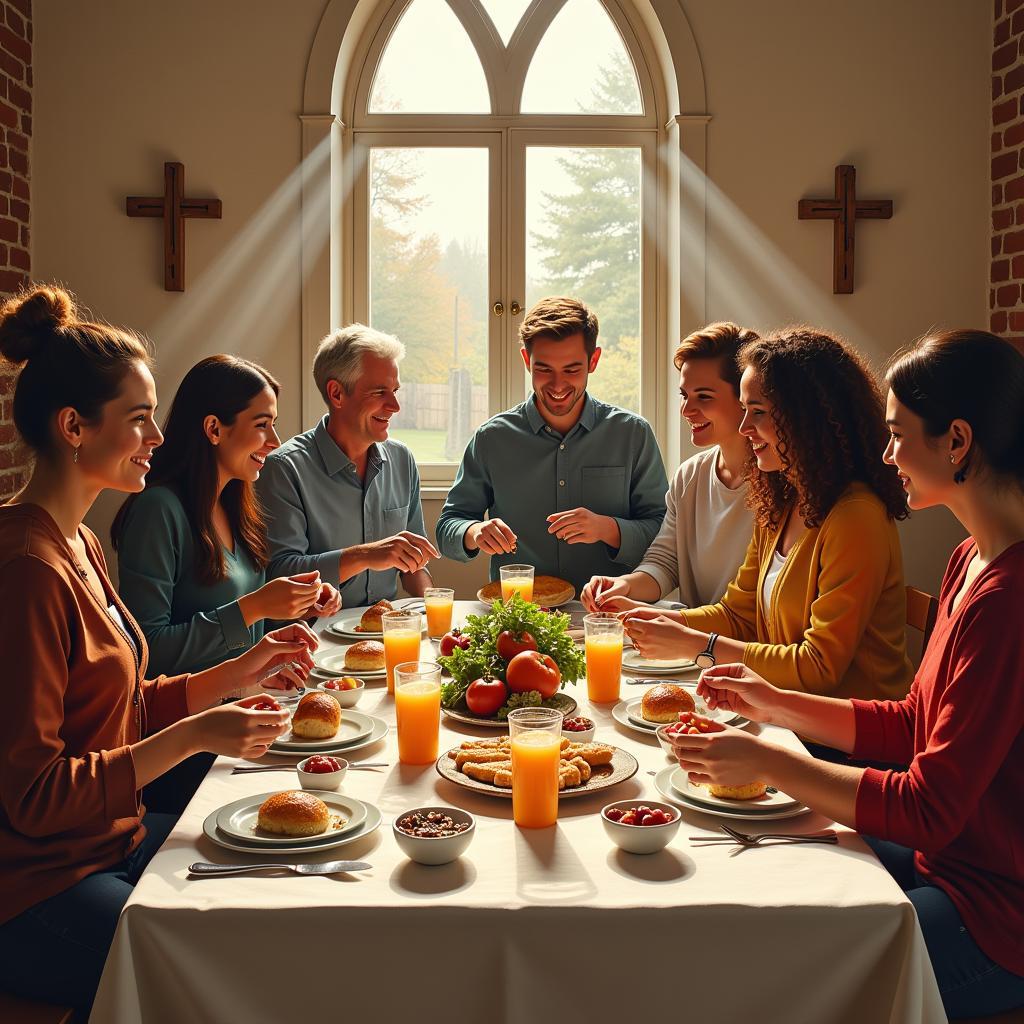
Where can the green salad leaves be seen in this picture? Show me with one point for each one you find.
(481, 658)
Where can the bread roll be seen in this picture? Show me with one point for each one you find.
(365, 656)
(747, 792)
(372, 621)
(295, 813)
(317, 717)
(664, 702)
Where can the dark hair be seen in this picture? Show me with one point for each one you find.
(967, 375)
(558, 318)
(69, 362)
(723, 341)
(221, 386)
(830, 419)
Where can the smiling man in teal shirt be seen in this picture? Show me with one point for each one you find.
(570, 485)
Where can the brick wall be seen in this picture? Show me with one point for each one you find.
(15, 263)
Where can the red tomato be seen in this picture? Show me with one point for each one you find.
(532, 670)
(485, 696)
(511, 643)
(452, 640)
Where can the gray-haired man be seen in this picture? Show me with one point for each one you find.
(344, 498)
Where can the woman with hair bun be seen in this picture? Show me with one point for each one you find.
(947, 824)
(819, 603)
(83, 729)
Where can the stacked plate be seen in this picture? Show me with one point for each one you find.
(356, 731)
(331, 665)
(344, 625)
(674, 785)
(627, 713)
(632, 661)
(235, 826)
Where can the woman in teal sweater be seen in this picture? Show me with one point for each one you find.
(192, 550)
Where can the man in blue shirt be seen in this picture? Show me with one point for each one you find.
(343, 498)
(571, 485)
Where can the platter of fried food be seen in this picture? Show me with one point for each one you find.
(486, 767)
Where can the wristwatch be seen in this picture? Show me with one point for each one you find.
(706, 658)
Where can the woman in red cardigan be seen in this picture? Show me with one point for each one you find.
(82, 729)
(949, 826)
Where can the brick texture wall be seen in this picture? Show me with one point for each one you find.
(15, 261)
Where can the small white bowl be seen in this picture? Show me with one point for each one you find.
(321, 780)
(641, 838)
(345, 698)
(440, 850)
(666, 743)
(584, 736)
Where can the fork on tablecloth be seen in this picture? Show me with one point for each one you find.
(744, 839)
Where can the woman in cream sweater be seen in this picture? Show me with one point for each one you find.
(707, 524)
(819, 602)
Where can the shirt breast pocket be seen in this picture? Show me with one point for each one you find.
(395, 520)
(604, 490)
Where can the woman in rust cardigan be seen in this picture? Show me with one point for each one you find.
(82, 728)
(947, 824)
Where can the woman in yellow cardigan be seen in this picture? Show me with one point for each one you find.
(819, 603)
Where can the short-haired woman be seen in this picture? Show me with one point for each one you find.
(948, 826)
(819, 603)
(707, 524)
(83, 729)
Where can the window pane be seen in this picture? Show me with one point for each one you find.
(583, 239)
(428, 286)
(429, 66)
(581, 66)
(506, 15)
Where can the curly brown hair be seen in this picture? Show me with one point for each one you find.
(829, 414)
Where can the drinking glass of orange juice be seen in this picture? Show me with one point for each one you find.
(439, 602)
(603, 643)
(401, 640)
(417, 710)
(516, 579)
(536, 735)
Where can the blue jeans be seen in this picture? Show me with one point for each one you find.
(55, 951)
(970, 983)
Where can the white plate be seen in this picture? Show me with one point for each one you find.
(344, 624)
(238, 819)
(632, 661)
(380, 730)
(700, 708)
(354, 727)
(662, 783)
(332, 665)
(699, 795)
(369, 825)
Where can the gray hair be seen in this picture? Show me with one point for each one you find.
(340, 355)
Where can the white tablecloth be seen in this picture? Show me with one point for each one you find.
(528, 927)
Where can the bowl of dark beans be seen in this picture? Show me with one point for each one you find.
(434, 835)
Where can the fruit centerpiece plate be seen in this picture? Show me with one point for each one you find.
(566, 704)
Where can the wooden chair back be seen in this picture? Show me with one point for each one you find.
(922, 610)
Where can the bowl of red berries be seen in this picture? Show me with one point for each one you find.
(689, 724)
(346, 690)
(578, 729)
(638, 826)
(321, 771)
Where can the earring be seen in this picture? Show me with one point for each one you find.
(952, 459)
(76, 453)
(961, 474)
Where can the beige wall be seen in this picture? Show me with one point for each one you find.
(794, 87)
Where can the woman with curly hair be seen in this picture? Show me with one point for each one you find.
(947, 823)
(819, 603)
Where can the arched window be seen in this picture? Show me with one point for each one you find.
(534, 57)
(499, 151)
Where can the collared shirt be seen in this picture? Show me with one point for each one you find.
(516, 468)
(316, 506)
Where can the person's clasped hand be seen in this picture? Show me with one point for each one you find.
(281, 660)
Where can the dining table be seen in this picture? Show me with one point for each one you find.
(528, 926)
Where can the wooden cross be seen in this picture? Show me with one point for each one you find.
(173, 207)
(844, 209)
